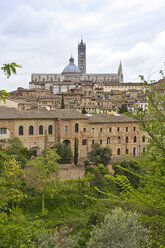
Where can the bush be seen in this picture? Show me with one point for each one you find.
(119, 230)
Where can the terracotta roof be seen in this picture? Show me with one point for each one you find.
(68, 114)
(122, 84)
(13, 113)
(104, 118)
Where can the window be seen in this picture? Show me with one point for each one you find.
(93, 142)
(126, 129)
(84, 129)
(108, 140)
(20, 130)
(76, 128)
(126, 151)
(3, 130)
(143, 138)
(118, 151)
(101, 142)
(134, 128)
(110, 129)
(50, 129)
(134, 139)
(84, 142)
(101, 130)
(93, 130)
(134, 151)
(118, 129)
(126, 139)
(66, 130)
(144, 149)
(31, 130)
(40, 130)
(118, 140)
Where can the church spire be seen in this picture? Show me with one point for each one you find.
(120, 72)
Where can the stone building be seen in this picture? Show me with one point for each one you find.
(39, 129)
(72, 75)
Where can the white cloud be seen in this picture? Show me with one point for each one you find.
(41, 36)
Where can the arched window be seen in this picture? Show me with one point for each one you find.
(134, 139)
(118, 140)
(20, 130)
(84, 142)
(76, 128)
(126, 151)
(126, 139)
(40, 129)
(108, 140)
(93, 141)
(31, 130)
(118, 151)
(50, 129)
(134, 151)
(143, 139)
(144, 149)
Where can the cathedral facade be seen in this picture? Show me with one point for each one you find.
(73, 75)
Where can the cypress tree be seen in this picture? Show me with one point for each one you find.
(75, 151)
(84, 111)
(62, 102)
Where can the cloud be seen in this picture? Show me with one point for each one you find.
(42, 36)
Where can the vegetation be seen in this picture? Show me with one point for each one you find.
(62, 102)
(100, 155)
(99, 210)
(120, 229)
(8, 69)
(46, 165)
(84, 111)
(75, 151)
(64, 151)
(123, 109)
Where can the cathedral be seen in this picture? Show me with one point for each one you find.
(72, 75)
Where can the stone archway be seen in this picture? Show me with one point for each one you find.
(67, 142)
(35, 151)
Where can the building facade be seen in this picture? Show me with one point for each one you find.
(39, 129)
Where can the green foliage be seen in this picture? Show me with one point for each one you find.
(75, 151)
(100, 155)
(130, 169)
(120, 229)
(62, 102)
(16, 231)
(64, 151)
(46, 165)
(10, 184)
(9, 69)
(84, 111)
(3, 95)
(123, 109)
(57, 240)
(18, 151)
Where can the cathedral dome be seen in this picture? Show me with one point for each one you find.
(71, 68)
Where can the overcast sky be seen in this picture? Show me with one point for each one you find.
(41, 36)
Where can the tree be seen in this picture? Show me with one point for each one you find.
(75, 151)
(62, 102)
(123, 109)
(120, 229)
(46, 165)
(8, 69)
(10, 183)
(99, 155)
(57, 240)
(18, 151)
(64, 151)
(84, 111)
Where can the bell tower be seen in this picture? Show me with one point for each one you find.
(82, 57)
